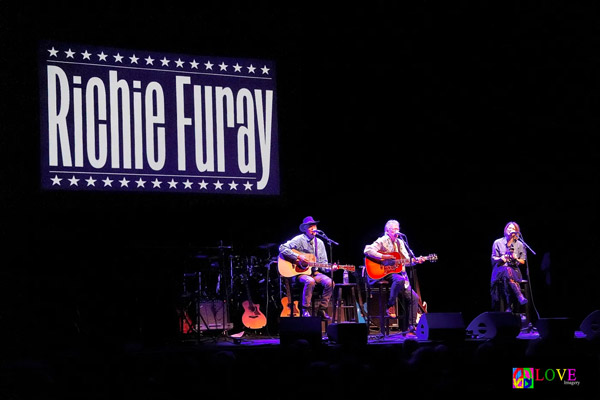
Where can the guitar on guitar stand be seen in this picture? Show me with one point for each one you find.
(252, 318)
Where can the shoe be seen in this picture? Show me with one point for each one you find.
(323, 314)
(522, 300)
(305, 313)
(412, 328)
(391, 312)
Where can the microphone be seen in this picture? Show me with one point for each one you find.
(319, 232)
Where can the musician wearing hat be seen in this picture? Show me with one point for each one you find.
(306, 250)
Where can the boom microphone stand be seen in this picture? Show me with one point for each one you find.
(323, 236)
(530, 327)
(410, 276)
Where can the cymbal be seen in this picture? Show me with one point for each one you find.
(267, 245)
(201, 256)
(215, 247)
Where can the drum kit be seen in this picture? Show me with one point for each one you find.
(217, 286)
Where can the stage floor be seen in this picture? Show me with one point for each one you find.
(249, 338)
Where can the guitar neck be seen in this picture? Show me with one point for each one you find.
(329, 266)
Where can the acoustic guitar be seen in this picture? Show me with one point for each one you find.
(377, 269)
(252, 318)
(290, 308)
(288, 269)
(286, 312)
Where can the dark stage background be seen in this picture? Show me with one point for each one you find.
(453, 119)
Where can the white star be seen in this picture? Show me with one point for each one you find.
(247, 186)
(118, 58)
(53, 52)
(208, 65)
(149, 60)
(107, 182)
(86, 55)
(194, 64)
(156, 183)
(218, 185)
(70, 53)
(73, 181)
(91, 181)
(140, 182)
(56, 180)
(233, 185)
(102, 56)
(251, 69)
(134, 59)
(165, 62)
(237, 67)
(265, 70)
(124, 182)
(203, 184)
(223, 66)
(172, 184)
(179, 63)
(187, 184)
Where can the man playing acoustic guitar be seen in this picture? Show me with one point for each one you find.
(390, 247)
(302, 250)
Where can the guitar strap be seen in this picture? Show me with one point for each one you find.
(316, 251)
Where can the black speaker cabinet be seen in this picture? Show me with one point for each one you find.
(295, 328)
(489, 325)
(556, 328)
(591, 325)
(348, 333)
(441, 326)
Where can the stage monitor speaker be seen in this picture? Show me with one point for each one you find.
(292, 329)
(441, 326)
(213, 316)
(348, 333)
(490, 325)
(556, 328)
(591, 326)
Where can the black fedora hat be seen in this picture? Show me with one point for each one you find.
(306, 222)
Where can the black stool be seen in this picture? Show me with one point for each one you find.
(383, 288)
(339, 305)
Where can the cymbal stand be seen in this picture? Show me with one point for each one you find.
(228, 285)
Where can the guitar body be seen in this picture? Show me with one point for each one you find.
(288, 269)
(253, 318)
(380, 268)
(286, 308)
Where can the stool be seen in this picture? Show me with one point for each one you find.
(339, 305)
(383, 287)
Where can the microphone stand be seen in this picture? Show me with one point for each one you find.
(412, 255)
(526, 245)
(329, 241)
(530, 326)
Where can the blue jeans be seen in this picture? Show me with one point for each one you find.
(309, 282)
